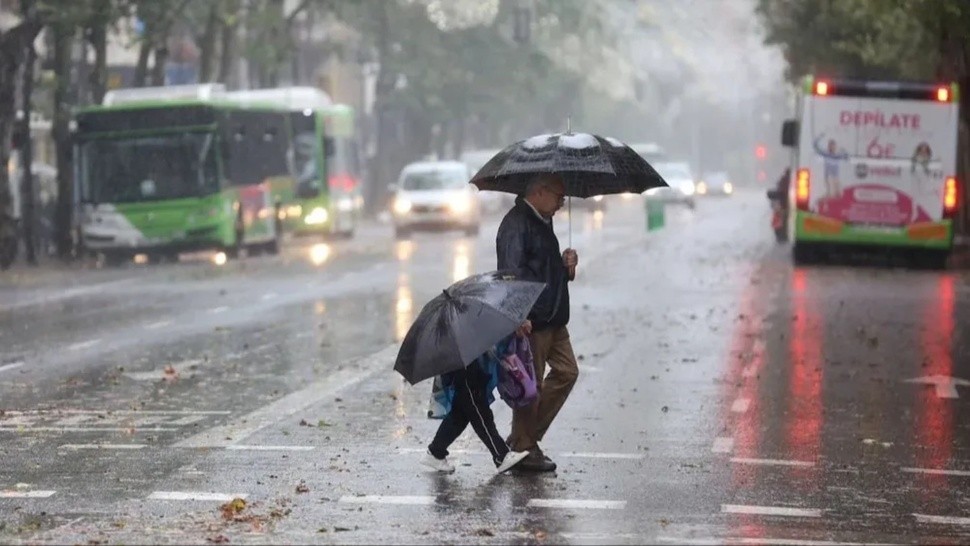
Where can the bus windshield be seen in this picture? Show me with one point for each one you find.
(150, 168)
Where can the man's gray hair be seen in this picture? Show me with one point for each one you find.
(542, 181)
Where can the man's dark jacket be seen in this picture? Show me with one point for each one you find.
(528, 245)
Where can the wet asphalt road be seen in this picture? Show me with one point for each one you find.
(724, 396)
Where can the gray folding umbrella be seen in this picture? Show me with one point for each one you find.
(464, 321)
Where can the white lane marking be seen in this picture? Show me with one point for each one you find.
(11, 366)
(588, 455)
(942, 520)
(65, 294)
(569, 454)
(193, 496)
(27, 428)
(946, 386)
(103, 446)
(187, 420)
(758, 541)
(270, 448)
(292, 403)
(741, 405)
(776, 462)
(217, 310)
(723, 445)
(157, 325)
(26, 494)
(771, 511)
(116, 412)
(158, 375)
(936, 471)
(579, 504)
(83, 344)
(417, 500)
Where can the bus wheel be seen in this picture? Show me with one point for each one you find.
(803, 254)
(933, 260)
(115, 258)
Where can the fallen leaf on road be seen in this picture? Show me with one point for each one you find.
(484, 533)
(322, 530)
(873, 342)
(342, 529)
(303, 423)
(302, 488)
(218, 539)
(665, 409)
(321, 423)
(233, 507)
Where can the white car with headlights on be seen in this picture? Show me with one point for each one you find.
(435, 195)
(715, 183)
(680, 180)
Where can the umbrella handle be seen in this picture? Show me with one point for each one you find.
(569, 209)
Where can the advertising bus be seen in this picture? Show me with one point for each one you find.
(873, 165)
(165, 170)
(328, 197)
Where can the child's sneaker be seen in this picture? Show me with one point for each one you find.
(438, 465)
(511, 459)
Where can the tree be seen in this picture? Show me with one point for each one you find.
(12, 56)
(894, 39)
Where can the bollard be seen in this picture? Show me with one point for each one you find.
(655, 214)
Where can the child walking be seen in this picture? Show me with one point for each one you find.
(469, 394)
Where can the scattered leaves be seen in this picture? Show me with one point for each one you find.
(218, 539)
(232, 508)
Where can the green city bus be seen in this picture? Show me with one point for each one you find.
(167, 170)
(328, 196)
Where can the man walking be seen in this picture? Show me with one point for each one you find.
(527, 244)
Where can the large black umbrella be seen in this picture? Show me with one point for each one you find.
(589, 165)
(464, 321)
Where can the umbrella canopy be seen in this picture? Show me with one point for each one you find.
(589, 165)
(464, 321)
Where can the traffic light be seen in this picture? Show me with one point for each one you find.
(760, 151)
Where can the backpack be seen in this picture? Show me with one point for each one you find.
(517, 376)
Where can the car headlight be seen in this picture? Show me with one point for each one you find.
(702, 188)
(728, 187)
(316, 217)
(687, 188)
(345, 204)
(402, 206)
(294, 211)
(597, 198)
(460, 204)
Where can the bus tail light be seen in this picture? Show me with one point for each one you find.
(343, 182)
(803, 188)
(943, 94)
(951, 194)
(821, 88)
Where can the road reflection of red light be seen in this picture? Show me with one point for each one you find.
(804, 421)
(746, 353)
(934, 415)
